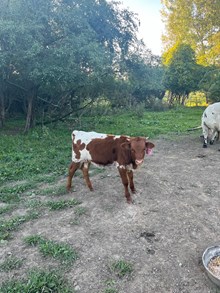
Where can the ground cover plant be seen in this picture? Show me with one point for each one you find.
(96, 241)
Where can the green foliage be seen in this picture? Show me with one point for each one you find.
(11, 263)
(121, 268)
(193, 22)
(38, 281)
(69, 53)
(182, 75)
(61, 251)
(210, 83)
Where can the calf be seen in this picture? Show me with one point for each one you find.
(126, 153)
(211, 123)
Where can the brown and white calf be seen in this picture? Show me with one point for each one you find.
(125, 152)
(211, 123)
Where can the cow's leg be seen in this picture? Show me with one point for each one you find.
(72, 169)
(85, 170)
(205, 131)
(131, 182)
(124, 178)
(214, 133)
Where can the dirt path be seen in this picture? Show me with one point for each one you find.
(163, 235)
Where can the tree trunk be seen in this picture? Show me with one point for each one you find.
(30, 110)
(2, 111)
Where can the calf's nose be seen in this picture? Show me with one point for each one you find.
(138, 162)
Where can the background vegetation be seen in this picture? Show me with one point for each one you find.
(62, 59)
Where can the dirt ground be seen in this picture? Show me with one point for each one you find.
(175, 216)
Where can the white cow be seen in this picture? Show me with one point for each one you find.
(211, 123)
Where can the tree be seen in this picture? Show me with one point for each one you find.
(210, 84)
(196, 23)
(60, 54)
(182, 74)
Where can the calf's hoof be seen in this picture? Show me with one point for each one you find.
(211, 142)
(68, 188)
(129, 199)
(204, 145)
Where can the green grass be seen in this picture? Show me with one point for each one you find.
(11, 263)
(48, 150)
(61, 251)
(121, 268)
(38, 281)
(11, 194)
(55, 191)
(7, 209)
(150, 123)
(62, 204)
(79, 211)
(110, 284)
(7, 226)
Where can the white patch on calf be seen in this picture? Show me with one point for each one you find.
(87, 137)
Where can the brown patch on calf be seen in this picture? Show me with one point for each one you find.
(104, 151)
(77, 147)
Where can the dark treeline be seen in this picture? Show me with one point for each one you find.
(60, 57)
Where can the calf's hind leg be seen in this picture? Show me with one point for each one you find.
(72, 169)
(85, 170)
(205, 131)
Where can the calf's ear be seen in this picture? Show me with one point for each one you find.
(149, 145)
(126, 145)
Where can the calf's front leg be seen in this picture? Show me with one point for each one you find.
(131, 182)
(72, 169)
(124, 178)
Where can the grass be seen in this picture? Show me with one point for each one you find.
(62, 204)
(121, 268)
(110, 287)
(48, 150)
(7, 226)
(61, 251)
(11, 194)
(11, 263)
(38, 281)
(55, 191)
(6, 209)
(79, 211)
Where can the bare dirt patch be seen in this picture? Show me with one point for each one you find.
(163, 234)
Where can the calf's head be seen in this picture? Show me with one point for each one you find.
(137, 147)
